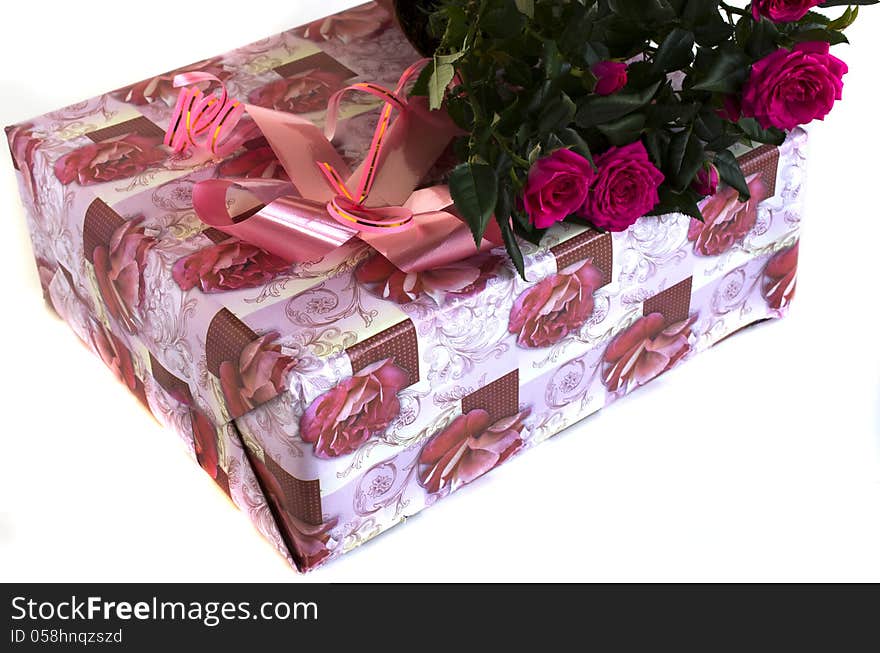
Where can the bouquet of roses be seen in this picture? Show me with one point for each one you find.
(601, 111)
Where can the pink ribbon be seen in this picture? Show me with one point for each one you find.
(327, 205)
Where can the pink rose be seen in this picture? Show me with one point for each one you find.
(644, 351)
(258, 376)
(118, 358)
(229, 265)
(794, 87)
(782, 11)
(161, 87)
(610, 76)
(119, 270)
(348, 26)
(117, 158)
(463, 278)
(624, 189)
(304, 92)
(726, 220)
(780, 277)
(468, 448)
(555, 306)
(342, 419)
(205, 442)
(557, 186)
(258, 163)
(706, 181)
(308, 542)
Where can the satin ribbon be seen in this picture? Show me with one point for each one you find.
(327, 205)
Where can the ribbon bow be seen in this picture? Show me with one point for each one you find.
(328, 205)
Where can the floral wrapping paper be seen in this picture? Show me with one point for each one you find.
(333, 399)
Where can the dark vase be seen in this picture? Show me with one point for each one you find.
(413, 18)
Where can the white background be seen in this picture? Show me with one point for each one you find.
(756, 461)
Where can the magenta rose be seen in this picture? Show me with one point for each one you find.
(794, 87)
(463, 278)
(726, 220)
(348, 26)
(555, 306)
(229, 265)
(161, 87)
(342, 419)
(706, 181)
(304, 92)
(780, 277)
(468, 448)
(624, 189)
(782, 11)
(257, 163)
(557, 187)
(610, 76)
(117, 158)
(259, 375)
(119, 271)
(644, 351)
(308, 542)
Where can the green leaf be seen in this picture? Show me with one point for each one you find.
(830, 36)
(672, 202)
(474, 189)
(512, 247)
(527, 7)
(625, 130)
(731, 173)
(676, 51)
(753, 131)
(684, 160)
(440, 78)
(556, 114)
(600, 109)
(724, 70)
(841, 3)
(848, 18)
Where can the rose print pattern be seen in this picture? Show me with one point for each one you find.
(347, 26)
(119, 270)
(468, 448)
(558, 305)
(463, 278)
(341, 420)
(116, 158)
(161, 87)
(780, 278)
(230, 265)
(117, 357)
(303, 93)
(726, 220)
(205, 442)
(644, 351)
(308, 541)
(257, 163)
(259, 375)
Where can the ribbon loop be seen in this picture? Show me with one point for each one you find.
(201, 120)
(319, 213)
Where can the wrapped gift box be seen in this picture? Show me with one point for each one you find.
(332, 399)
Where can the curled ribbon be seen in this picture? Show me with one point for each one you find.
(201, 120)
(327, 204)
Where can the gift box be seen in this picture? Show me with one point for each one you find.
(336, 396)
